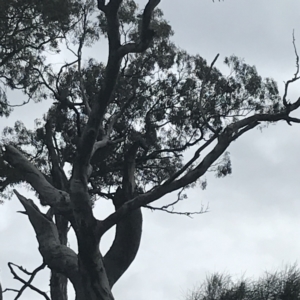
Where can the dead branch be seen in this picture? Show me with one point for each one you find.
(48, 194)
(58, 257)
(295, 78)
(173, 212)
(169, 208)
(28, 282)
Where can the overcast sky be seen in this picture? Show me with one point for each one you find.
(253, 219)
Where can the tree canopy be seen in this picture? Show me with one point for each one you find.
(116, 130)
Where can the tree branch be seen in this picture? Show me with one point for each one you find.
(206, 79)
(156, 193)
(129, 230)
(229, 134)
(79, 55)
(48, 194)
(90, 133)
(57, 171)
(58, 257)
(126, 242)
(295, 78)
(191, 161)
(146, 34)
(28, 282)
(180, 213)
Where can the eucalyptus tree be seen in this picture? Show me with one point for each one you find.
(117, 130)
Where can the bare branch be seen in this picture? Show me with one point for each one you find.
(146, 34)
(28, 282)
(191, 161)
(106, 139)
(104, 142)
(58, 257)
(169, 208)
(235, 127)
(101, 5)
(173, 212)
(296, 54)
(48, 194)
(295, 78)
(113, 25)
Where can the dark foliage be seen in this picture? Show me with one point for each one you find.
(283, 285)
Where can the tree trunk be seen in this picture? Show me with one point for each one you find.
(59, 282)
(94, 283)
(58, 286)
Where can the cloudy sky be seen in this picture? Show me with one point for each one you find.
(253, 219)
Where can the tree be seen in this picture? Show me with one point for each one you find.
(283, 285)
(28, 29)
(121, 128)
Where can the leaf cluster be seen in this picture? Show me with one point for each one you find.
(29, 29)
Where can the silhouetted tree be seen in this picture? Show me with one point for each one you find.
(121, 127)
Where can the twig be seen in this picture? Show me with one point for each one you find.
(295, 78)
(26, 283)
(187, 213)
(192, 160)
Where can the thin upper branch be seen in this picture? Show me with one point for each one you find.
(79, 56)
(57, 171)
(295, 78)
(191, 161)
(146, 34)
(206, 79)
